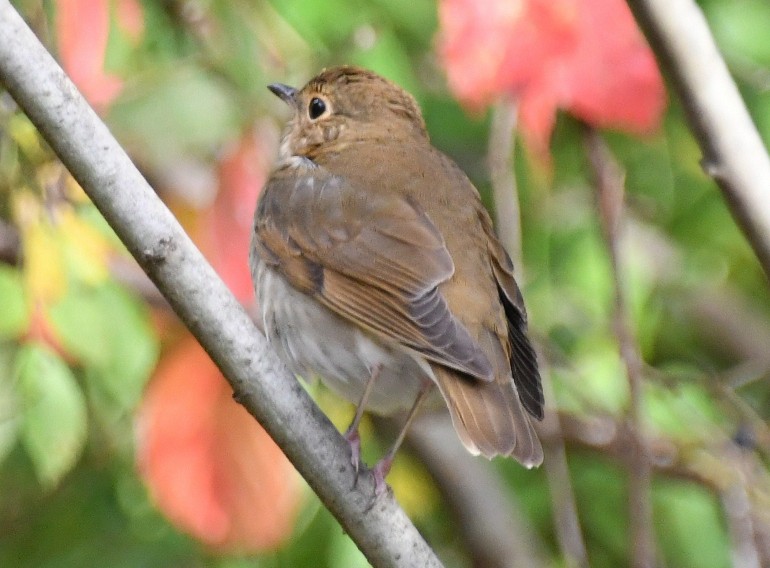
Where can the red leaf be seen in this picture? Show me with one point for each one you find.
(41, 330)
(130, 18)
(584, 56)
(242, 173)
(211, 469)
(82, 30)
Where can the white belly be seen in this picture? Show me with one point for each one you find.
(312, 340)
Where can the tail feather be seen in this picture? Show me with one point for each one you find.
(489, 417)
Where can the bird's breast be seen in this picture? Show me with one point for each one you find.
(313, 341)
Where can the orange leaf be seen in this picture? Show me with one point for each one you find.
(211, 469)
(130, 18)
(40, 330)
(242, 173)
(584, 56)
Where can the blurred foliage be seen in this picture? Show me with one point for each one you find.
(79, 340)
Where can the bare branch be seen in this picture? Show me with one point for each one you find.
(488, 519)
(609, 179)
(733, 153)
(508, 224)
(567, 523)
(502, 135)
(706, 464)
(737, 507)
(10, 244)
(381, 529)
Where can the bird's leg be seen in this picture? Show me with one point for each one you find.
(382, 467)
(351, 434)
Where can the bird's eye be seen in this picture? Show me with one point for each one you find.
(316, 108)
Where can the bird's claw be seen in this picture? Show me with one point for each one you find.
(354, 442)
(380, 472)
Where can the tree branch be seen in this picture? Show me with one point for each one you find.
(569, 533)
(488, 519)
(508, 224)
(609, 180)
(502, 137)
(733, 153)
(740, 523)
(150, 232)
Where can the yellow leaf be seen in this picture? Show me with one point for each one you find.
(24, 133)
(26, 207)
(74, 192)
(50, 176)
(413, 486)
(85, 248)
(44, 272)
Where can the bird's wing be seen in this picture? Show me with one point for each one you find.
(523, 359)
(376, 260)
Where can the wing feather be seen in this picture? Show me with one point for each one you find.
(374, 260)
(522, 355)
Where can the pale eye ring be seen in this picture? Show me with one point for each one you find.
(316, 108)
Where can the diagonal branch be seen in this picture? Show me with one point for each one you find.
(486, 516)
(733, 153)
(383, 532)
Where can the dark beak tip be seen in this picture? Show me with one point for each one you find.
(286, 93)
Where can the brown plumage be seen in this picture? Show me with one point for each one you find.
(372, 250)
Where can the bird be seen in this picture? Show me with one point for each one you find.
(377, 268)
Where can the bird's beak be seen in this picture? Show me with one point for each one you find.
(285, 93)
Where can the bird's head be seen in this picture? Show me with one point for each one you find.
(343, 105)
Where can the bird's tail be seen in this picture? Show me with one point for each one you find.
(489, 417)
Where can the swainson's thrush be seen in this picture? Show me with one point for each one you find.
(377, 268)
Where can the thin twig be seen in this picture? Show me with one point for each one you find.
(567, 523)
(10, 243)
(733, 153)
(740, 523)
(608, 180)
(731, 325)
(703, 463)
(489, 521)
(502, 136)
(508, 223)
(761, 521)
(261, 383)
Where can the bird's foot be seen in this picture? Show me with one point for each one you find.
(380, 472)
(354, 442)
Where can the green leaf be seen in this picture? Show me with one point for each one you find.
(14, 319)
(741, 28)
(9, 404)
(602, 376)
(762, 112)
(418, 19)
(176, 114)
(690, 526)
(600, 491)
(109, 331)
(687, 411)
(388, 57)
(344, 552)
(317, 27)
(54, 416)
